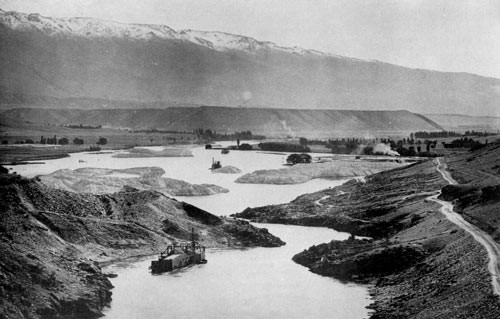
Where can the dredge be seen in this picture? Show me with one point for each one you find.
(215, 164)
(179, 255)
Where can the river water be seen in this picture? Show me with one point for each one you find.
(195, 170)
(251, 283)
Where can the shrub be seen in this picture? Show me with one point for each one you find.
(245, 147)
(298, 158)
(77, 141)
(102, 141)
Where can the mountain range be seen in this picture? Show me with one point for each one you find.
(44, 58)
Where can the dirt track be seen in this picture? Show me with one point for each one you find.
(484, 239)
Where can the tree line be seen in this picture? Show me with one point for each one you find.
(57, 141)
(65, 141)
(444, 134)
(208, 134)
(284, 147)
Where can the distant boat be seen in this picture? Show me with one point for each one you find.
(224, 151)
(215, 164)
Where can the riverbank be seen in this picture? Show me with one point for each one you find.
(19, 155)
(52, 242)
(25, 154)
(420, 264)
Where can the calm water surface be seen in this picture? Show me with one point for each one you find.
(252, 283)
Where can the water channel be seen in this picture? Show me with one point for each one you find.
(250, 283)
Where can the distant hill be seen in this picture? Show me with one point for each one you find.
(269, 122)
(82, 58)
(15, 100)
(455, 122)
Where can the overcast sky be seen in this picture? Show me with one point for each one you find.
(448, 35)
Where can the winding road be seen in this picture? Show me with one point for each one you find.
(480, 236)
(318, 202)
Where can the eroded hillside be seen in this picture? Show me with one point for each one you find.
(52, 241)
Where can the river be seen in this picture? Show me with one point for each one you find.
(251, 283)
(195, 170)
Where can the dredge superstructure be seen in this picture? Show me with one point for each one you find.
(179, 255)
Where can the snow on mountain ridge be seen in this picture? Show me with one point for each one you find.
(88, 27)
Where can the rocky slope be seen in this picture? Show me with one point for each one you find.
(44, 57)
(103, 180)
(419, 264)
(52, 241)
(302, 173)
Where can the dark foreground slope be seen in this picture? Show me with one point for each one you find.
(52, 240)
(420, 264)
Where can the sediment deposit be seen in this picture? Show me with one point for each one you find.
(302, 173)
(103, 180)
(166, 152)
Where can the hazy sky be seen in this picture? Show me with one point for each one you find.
(448, 35)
